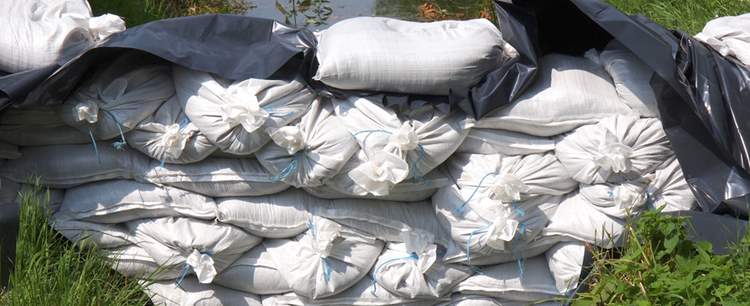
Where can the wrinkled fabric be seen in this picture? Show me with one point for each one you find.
(531, 282)
(255, 272)
(616, 149)
(118, 97)
(320, 146)
(38, 126)
(325, 260)
(668, 189)
(38, 33)
(282, 215)
(488, 141)
(169, 136)
(239, 117)
(578, 219)
(632, 79)
(191, 292)
(730, 36)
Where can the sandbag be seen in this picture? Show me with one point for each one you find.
(238, 117)
(343, 186)
(325, 260)
(118, 201)
(565, 261)
(729, 36)
(38, 33)
(526, 281)
(68, 166)
(578, 219)
(617, 149)
(668, 189)
(415, 269)
(622, 200)
(508, 179)
(311, 151)
(200, 247)
(133, 261)
(383, 219)
(116, 98)
(487, 141)
(392, 55)
(398, 146)
(170, 137)
(457, 254)
(216, 177)
(632, 79)
(281, 215)
(255, 272)
(38, 126)
(103, 236)
(569, 92)
(190, 292)
(363, 293)
(486, 227)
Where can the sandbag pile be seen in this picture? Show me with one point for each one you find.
(265, 192)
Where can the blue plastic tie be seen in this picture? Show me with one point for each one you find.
(468, 241)
(412, 256)
(288, 170)
(326, 269)
(413, 167)
(96, 149)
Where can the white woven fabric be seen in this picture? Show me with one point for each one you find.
(190, 292)
(569, 92)
(38, 33)
(729, 36)
(409, 57)
(281, 215)
(255, 272)
(239, 117)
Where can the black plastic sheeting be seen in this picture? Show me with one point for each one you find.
(231, 46)
(700, 92)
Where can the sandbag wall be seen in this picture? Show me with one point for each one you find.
(263, 191)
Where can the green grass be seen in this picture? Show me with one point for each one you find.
(658, 265)
(50, 270)
(687, 15)
(138, 12)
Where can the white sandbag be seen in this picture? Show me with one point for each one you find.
(190, 292)
(103, 236)
(669, 190)
(485, 227)
(133, 261)
(527, 281)
(343, 186)
(415, 270)
(281, 215)
(631, 77)
(457, 254)
(12, 193)
(508, 179)
(200, 247)
(729, 36)
(216, 177)
(569, 92)
(363, 293)
(239, 117)
(38, 33)
(565, 261)
(38, 126)
(383, 219)
(617, 149)
(311, 151)
(392, 55)
(118, 201)
(617, 200)
(68, 166)
(327, 259)
(9, 151)
(487, 141)
(578, 219)
(255, 272)
(170, 137)
(116, 98)
(397, 148)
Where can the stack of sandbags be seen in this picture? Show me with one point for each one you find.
(261, 191)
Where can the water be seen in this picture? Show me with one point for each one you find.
(319, 14)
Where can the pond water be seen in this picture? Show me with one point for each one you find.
(319, 14)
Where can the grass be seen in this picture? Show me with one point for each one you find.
(687, 15)
(658, 265)
(49, 270)
(138, 12)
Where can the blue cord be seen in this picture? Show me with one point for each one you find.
(460, 209)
